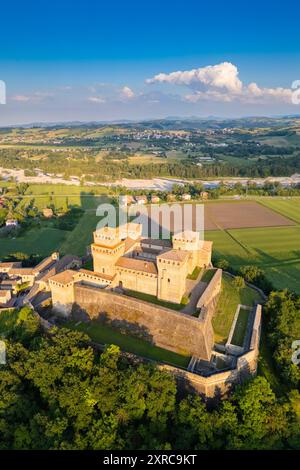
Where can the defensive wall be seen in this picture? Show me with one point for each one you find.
(164, 327)
(212, 290)
(219, 384)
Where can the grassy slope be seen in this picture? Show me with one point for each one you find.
(77, 241)
(39, 241)
(106, 335)
(229, 299)
(240, 327)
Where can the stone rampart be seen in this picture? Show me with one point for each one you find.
(221, 383)
(212, 290)
(166, 328)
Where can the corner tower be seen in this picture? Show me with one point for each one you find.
(110, 244)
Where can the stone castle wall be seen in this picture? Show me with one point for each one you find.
(221, 383)
(166, 328)
(212, 290)
(138, 281)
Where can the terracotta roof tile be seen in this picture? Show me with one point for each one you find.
(137, 265)
(175, 255)
(65, 277)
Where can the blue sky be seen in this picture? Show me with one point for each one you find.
(94, 60)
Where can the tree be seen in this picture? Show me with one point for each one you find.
(57, 392)
(222, 264)
(238, 282)
(251, 273)
(283, 315)
(263, 419)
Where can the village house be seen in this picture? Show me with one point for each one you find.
(11, 223)
(6, 299)
(186, 197)
(141, 200)
(154, 199)
(126, 200)
(47, 212)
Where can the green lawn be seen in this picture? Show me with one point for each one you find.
(194, 275)
(41, 241)
(228, 301)
(46, 239)
(208, 274)
(240, 327)
(104, 334)
(154, 300)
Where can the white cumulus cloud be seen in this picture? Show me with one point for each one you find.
(127, 93)
(221, 82)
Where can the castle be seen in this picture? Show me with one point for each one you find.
(123, 259)
(161, 273)
(155, 267)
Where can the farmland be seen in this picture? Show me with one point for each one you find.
(236, 228)
(288, 207)
(226, 215)
(275, 250)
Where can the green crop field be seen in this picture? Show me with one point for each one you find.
(104, 334)
(269, 245)
(62, 196)
(274, 249)
(286, 206)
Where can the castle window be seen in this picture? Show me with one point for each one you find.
(169, 280)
